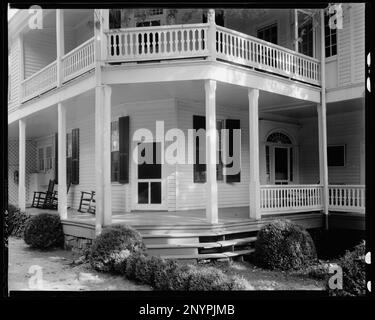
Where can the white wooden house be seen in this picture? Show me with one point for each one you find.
(82, 85)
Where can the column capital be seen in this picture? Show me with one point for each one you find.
(253, 93)
(210, 85)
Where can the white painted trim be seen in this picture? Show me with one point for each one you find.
(218, 71)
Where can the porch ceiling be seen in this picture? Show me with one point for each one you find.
(226, 94)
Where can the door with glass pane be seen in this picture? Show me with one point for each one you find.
(281, 165)
(150, 186)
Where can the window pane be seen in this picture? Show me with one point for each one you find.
(115, 141)
(268, 174)
(153, 170)
(334, 50)
(281, 163)
(115, 165)
(336, 156)
(155, 192)
(291, 164)
(142, 192)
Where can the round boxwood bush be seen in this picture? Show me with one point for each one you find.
(284, 245)
(113, 246)
(44, 231)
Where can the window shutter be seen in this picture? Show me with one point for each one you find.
(232, 124)
(75, 156)
(56, 158)
(124, 134)
(199, 122)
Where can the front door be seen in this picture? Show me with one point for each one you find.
(281, 165)
(150, 186)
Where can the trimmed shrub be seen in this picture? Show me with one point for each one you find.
(167, 274)
(44, 231)
(354, 272)
(114, 246)
(284, 245)
(16, 221)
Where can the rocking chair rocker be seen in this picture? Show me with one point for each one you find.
(45, 199)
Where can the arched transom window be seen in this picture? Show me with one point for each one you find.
(278, 137)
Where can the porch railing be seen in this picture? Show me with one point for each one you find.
(290, 198)
(79, 60)
(194, 40)
(250, 51)
(76, 62)
(347, 198)
(152, 43)
(40, 82)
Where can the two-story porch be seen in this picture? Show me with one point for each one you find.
(172, 74)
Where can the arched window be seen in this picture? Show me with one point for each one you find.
(278, 137)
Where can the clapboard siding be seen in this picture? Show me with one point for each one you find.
(39, 50)
(14, 60)
(192, 195)
(346, 128)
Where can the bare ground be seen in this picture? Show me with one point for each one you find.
(31, 269)
(261, 279)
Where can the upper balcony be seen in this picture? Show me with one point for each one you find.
(179, 43)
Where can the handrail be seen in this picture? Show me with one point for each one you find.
(39, 72)
(70, 53)
(269, 44)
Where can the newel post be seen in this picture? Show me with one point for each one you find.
(211, 37)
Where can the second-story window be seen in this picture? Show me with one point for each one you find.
(268, 33)
(330, 38)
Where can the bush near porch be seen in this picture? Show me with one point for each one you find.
(16, 221)
(284, 245)
(44, 231)
(119, 249)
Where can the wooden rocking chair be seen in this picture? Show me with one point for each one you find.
(45, 199)
(87, 203)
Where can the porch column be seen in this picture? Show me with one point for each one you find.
(254, 187)
(107, 91)
(296, 30)
(211, 185)
(322, 123)
(60, 48)
(22, 165)
(61, 138)
(211, 34)
(99, 190)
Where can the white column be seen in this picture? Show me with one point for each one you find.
(296, 30)
(104, 26)
(107, 155)
(60, 47)
(211, 38)
(22, 165)
(322, 122)
(99, 202)
(61, 137)
(211, 184)
(254, 187)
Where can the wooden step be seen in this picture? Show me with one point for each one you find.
(207, 256)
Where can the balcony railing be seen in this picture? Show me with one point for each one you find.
(347, 198)
(40, 82)
(186, 41)
(73, 64)
(153, 43)
(290, 198)
(246, 50)
(79, 60)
